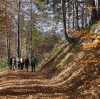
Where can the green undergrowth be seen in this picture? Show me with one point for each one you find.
(54, 51)
(54, 61)
(3, 64)
(4, 69)
(94, 26)
(58, 65)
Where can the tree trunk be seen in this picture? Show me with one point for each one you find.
(7, 34)
(64, 21)
(98, 10)
(73, 4)
(76, 7)
(94, 12)
(18, 50)
(31, 29)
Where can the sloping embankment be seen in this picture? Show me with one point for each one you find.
(77, 70)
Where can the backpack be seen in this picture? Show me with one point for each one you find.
(33, 60)
(14, 62)
(22, 60)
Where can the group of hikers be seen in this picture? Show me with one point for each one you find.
(19, 63)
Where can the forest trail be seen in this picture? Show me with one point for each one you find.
(33, 85)
(28, 85)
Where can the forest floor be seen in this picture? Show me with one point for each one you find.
(29, 85)
(39, 85)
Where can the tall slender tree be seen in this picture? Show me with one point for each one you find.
(77, 17)
(18, 50)
(31, 24)
(98, 8)
(64, 20)
(93, 12)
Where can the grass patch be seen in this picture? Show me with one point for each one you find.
(67, 61)
(4, 69)
(94, 26)
(3, 64)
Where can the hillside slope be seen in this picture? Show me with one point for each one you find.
(77, 70)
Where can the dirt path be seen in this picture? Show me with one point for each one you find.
(28, 85)
(31, 85)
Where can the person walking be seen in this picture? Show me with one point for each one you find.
(26, 63)
(33, 62)
(22, 63)
(18, 63)
(10, 63)
(14, 63)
